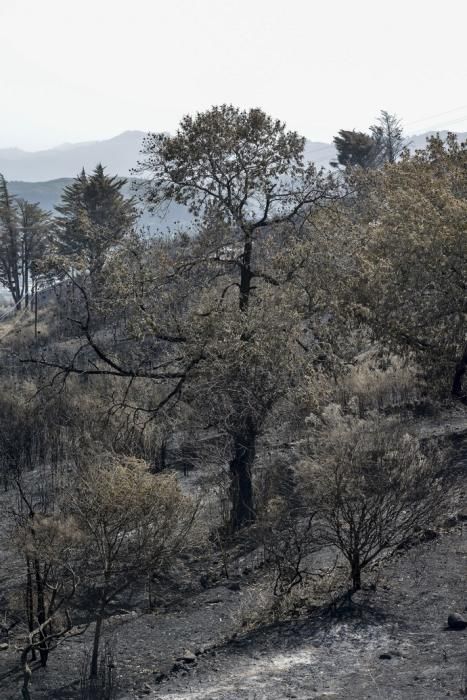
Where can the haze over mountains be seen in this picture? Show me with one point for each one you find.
(41, 175)
(119, 154)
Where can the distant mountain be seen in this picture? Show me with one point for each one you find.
(47, 194)
(41, 176)
(119, 154)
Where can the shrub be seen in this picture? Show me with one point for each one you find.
(373, 487)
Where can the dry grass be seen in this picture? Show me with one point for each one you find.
(368, 388)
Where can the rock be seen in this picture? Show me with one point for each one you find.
(4, 646)
(204, 580)
(187, 657)
(177, 667)
(159, 676)
(428, 535)
(147, 690)
(456, 622)
(369, 587)
(385, 656)
(462, 517)
(451, 521)
(234, 586)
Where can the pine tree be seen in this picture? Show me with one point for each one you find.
(93, 216)
(356, 148)
(10, 244)
(388, 135)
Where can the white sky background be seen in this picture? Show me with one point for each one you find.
(75, 70)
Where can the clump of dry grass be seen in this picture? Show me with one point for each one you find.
(371, 388)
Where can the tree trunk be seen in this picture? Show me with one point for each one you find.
(457, 382)
(30, 601)
(160, 463)
(241, 486)
(99, 625)
(356, 573)
(96, 643)
(35, 310)
(41, 613)
(26, 285)
(245, 273)
(26, 678)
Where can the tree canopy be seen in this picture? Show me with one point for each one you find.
(93, 216)
(24, 232)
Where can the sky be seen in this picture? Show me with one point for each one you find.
(88, 70)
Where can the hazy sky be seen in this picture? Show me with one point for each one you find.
(89, 69)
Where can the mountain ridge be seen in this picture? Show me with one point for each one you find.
(23, 170)
(120, 155)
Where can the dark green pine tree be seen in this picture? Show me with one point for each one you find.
(356, 148)
(10, 244)
(93, 216)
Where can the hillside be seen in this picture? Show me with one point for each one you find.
(208, 642)
(233, 464)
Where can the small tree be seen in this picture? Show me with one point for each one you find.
(49, 542)
(374, 488)
(23, 228)
(34, 224)
(134, 522)
(290, 539)
(388, 136)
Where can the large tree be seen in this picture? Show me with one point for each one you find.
(244, 165)
(413, 221)
(246, 170)
(210, 320)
